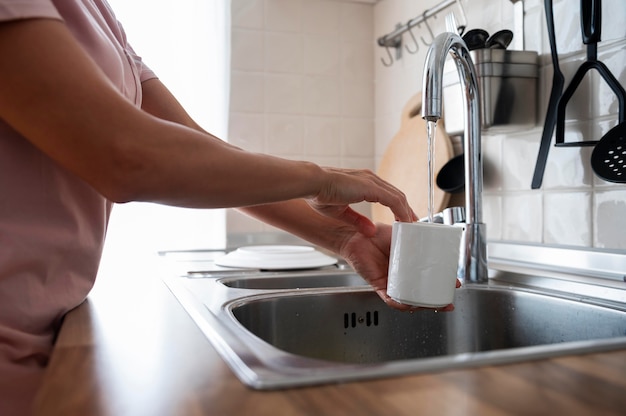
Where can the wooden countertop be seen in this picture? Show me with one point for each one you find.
(131, 349)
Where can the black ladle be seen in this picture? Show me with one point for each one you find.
(499, 40)
(608, 159)
(475, 39)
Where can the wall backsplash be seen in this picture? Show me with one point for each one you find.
(302, 84)
(307, 83)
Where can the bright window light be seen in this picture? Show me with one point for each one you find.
(187, 44)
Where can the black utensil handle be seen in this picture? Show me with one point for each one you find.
(552, 35)
(591, 20)
(558, 82)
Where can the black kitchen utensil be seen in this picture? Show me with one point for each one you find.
(608, 159)
(499, 40)
(475, 38)
(451, 176)
(591, 25)
(558, 81)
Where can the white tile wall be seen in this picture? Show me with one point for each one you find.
(302, 84)
(307, 83)
(608, 218)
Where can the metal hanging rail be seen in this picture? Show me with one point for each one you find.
(394, 39)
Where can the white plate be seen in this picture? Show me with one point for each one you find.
(273, 257)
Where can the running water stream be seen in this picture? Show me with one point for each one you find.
(431, 129)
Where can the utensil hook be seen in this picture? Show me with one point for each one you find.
(415, 42)
(463, 25)
(390, 62)
(432, 36)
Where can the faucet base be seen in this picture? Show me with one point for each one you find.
(473, 259)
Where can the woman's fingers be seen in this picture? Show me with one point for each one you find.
(382, 293)
(345, 187)
(346, 214)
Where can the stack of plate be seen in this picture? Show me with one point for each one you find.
(276, 257)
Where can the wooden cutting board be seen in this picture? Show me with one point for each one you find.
(405, 162)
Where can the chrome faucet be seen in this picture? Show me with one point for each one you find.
(473, 261)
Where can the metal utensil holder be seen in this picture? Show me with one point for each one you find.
(508, 87)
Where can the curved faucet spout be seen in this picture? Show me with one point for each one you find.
(473, 264)
(436, 57)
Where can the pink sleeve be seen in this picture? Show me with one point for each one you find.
(145, 73)
(24, 9)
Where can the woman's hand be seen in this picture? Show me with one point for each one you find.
(342, 187)
(369, 256)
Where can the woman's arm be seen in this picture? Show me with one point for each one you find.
(56, 97)
(367, 252)
(295, 216)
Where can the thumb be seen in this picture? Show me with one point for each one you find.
(347, 215)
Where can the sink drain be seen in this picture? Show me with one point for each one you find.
(352, 320)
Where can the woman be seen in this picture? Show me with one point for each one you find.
(84, 124)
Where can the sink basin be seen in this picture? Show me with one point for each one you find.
(356, 327)
(287, 329)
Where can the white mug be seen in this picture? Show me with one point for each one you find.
(423, 263)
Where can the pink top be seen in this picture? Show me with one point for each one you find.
(52, 224)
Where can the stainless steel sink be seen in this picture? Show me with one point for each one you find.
(356, 327)
(279, 330)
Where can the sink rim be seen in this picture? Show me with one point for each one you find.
(254, 295)
(231, 281)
